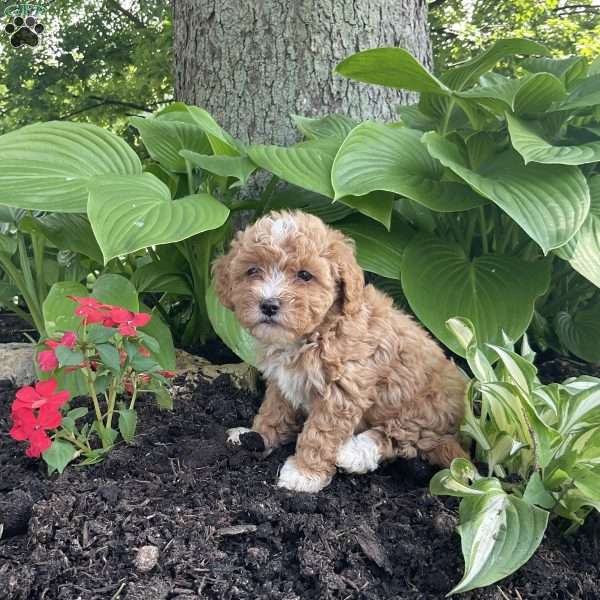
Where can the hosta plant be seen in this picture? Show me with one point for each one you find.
(537, 450)
(481, 201)
(114, 360)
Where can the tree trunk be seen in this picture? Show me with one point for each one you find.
(252, 63)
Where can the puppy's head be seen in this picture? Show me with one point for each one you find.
(285, 273)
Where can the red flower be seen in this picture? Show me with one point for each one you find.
(41, 398)
(90, 309)
(28, 426)
(168, 374)
(144, 351)
(47, 359)
(34, 411)
(128, 321)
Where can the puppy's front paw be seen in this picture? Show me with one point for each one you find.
(359, 454)
(233, 435)
(248, 439)
(292, 478)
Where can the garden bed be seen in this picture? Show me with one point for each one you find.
(224, 530)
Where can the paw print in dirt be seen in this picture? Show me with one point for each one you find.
(24, 32)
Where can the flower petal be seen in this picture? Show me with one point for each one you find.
(49, 417)
(46, 388)
(40, 442)
(141, 319)
(69, 339)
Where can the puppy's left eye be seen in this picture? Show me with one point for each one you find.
(304, 275)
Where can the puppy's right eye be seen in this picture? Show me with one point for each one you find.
(252, 271)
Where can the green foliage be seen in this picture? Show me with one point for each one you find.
(458, 29)
(541, 447)
(96, 62)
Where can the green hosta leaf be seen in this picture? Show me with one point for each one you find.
(391, 67)
(412, 117)
(563, 68)
(220, 141)
(8, 244)
(379, 157)
(164, 139)
(67, 357)
(580, 333)
(550, 202)
(59, 455)
(583, 250)
(315, 204)
(228, 328)
(47, 166)
(127, 424)
(528, 142)
(59, 311)
(330, 126)
(116, 290)
(470, 71)
(499, 533)
(584, 94)
(160, 331)
(240, 167)
(71, 232)
(131, 213)
(109, 356)
(156, 277)
(307, 164)
(7, 292)
(494, 292)
(377, 205)
(377, 250)
(532, 94)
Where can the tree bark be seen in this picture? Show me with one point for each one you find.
(252, 63)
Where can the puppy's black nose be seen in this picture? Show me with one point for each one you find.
(270, 306)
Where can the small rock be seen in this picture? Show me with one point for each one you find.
(17, 363)
(146, 558)
(444, 523)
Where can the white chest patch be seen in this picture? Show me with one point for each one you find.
(281, 367)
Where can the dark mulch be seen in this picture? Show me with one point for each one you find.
(223, 530)
(14, 329)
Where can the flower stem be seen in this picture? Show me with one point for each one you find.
(134, 395)
(112, 396)
(99, 420)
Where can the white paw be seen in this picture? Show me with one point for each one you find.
(359, 454)
(233, 435)
(291, 478)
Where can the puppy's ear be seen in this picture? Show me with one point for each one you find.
(221, 278)
(349, 273)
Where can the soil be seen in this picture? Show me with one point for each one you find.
(14, 329)
(218, 527)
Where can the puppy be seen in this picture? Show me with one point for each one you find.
(357, 380)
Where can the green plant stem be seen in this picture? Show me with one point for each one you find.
(71, 438)
(483, 230)
(245, 205)
(267, 194)
(134, 395)
(446, 121)
(473, 218)
(94, 397)
(112, 397)
(38, 244)
(31, 301)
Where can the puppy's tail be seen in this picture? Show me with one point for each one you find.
(443, 450)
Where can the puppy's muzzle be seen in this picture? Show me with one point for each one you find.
(270, 307)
